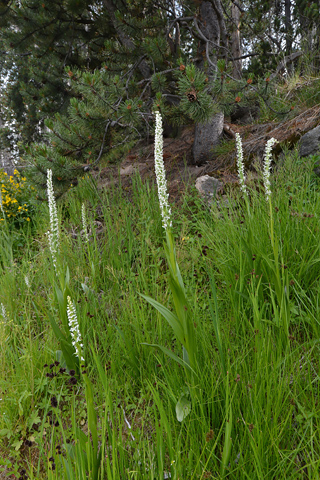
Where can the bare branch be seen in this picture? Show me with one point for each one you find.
(164, 71)
(288, 59)
(16, 54)
(246, 56)
(239, 6)
(201, 36)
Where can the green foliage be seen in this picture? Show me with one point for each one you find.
(134, 394)
(158, 82)
(38, 40)
(103, 123)
(196, 103)
(124, 61)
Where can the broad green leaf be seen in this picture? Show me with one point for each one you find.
(185, 355)
(67, 348)
(183, 407)
(56, 330)
(82, 439)
(67, 279)
(169, 316)
(59, 295)
(171, 355)
(69, 354)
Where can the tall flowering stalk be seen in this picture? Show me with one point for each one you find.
(161, 174)
(181, 321)
(74, 329)
(1, 205)
(266, 183)
(53, 233)
(84, 222)
(3, 312)
(279, 282)
(266, 167)
(240, 165)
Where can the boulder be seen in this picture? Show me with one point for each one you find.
(310, 142)
(245, 115)
(206, 137)
(208, 187)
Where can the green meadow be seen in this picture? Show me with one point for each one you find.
(194, 350)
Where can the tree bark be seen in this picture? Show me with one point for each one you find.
(207, 135)
(210, 29)
(236, 43)
(287, 22)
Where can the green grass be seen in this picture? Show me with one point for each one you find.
(255, 395)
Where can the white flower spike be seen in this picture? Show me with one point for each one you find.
(3, 312)
(74, 329)
(266, 167)
(84, 223)
(161, 174)
(53, 233)
(240, 166)
(1, 205)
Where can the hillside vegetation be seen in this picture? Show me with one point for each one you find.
(130, 351)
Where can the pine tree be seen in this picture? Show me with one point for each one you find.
(38, 39)
(112, 106)
(95, 71)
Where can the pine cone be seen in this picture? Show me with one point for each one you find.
(192, 95)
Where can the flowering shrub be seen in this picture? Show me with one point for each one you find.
(17, 199)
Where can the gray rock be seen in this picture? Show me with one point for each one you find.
(244, 115)
(206, 137)
(316, 170)
(128, 170)
(310, 142)
(208, 187)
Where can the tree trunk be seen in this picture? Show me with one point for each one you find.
(288, 28)
(236, 43)
(207, 135)
(208, 49)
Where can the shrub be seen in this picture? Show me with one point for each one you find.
(17, 200)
